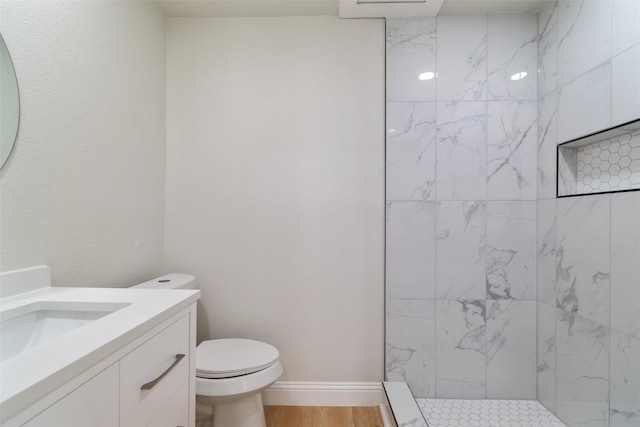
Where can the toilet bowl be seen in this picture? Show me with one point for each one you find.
(231, 378)
(231, 373)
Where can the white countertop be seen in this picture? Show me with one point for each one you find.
(32, 374)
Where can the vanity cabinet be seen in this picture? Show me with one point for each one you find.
(93, 404)
(164, 354)
(151, 383)
(175, 413)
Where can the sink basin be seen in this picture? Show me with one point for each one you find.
(25, 327)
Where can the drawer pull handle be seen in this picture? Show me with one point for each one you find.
(152, 384)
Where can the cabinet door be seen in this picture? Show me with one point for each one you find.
(162, 365)
(176, 412)
(93, 404)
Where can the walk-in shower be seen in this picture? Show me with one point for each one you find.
(495, 288)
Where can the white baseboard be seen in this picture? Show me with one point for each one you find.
(295, 393)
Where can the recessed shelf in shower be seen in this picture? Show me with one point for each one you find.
(603, 162)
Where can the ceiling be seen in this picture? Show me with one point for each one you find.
(230, 8)
(465, 7)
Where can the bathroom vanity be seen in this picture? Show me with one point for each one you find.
(96, 357)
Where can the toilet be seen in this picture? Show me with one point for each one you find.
(231, 373)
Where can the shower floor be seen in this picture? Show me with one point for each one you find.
(486, 413)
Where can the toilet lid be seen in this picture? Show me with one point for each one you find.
(232, 357)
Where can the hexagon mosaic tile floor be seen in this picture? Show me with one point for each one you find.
(486, 413)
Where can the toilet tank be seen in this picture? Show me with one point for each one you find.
(170, 281)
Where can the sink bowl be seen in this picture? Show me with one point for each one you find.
(25, 327)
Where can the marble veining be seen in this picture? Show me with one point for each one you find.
(461, 250)
(410, 346)
(624, 410)
(626, 31)
(413, 422)
(405, 409)
(546, 257)
(411, 151)
(511, 250)
(511, 175)
(513, 41)
(582, 272)
(462, 58)
(411, 51)
(625, 89)
(460, 349)
(547, 141)
(461, 152)
(411, 33)
(584, 37)
(548, 49)
(584, 104)
(582, 371)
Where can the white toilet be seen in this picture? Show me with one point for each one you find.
(230, 373)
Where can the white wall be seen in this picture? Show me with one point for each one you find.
(84, 188)
(275, 180)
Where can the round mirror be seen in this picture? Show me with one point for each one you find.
(9, 104)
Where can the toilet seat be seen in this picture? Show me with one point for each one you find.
(233, 357)
(225, 389)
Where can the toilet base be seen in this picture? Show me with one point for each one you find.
(244, 412)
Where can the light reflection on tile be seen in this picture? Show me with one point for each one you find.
(462, 58)
(411, 51)
(513, 41)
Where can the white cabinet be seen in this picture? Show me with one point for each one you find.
(150, 382)
(175, 413)
(93, 404)
(162, 357)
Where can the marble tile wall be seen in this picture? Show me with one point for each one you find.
(588, 247)
(461, 205)
(588, 325)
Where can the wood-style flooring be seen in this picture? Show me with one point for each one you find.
(323, 416)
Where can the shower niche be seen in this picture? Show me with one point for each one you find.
(603, 162)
